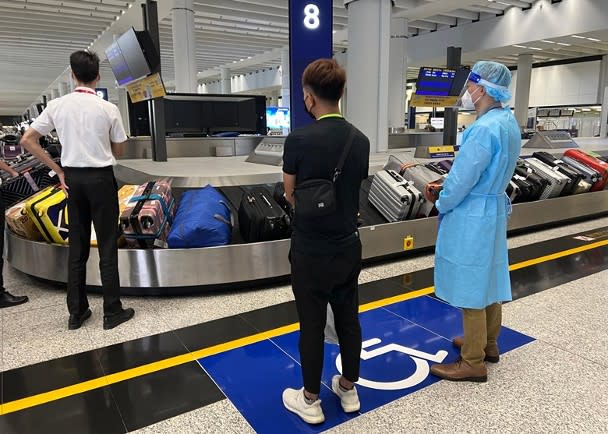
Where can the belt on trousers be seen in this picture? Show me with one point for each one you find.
(508, 204)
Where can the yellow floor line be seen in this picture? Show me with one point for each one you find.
(85, 386)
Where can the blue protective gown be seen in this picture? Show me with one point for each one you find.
(471, 256)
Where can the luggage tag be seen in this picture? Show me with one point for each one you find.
(31, 181)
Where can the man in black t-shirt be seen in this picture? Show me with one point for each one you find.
(326, 251)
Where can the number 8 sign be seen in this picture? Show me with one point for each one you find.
(311, 16)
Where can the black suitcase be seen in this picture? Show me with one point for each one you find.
(575, 176)
(34, 176)
(538, 184)
(278, 195)
(261, 218)
(521, 190)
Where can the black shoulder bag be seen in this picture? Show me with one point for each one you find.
(317, 197)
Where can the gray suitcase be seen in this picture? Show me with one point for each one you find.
(394, 197)
(590, 175)
(421, 176)
(557, 181)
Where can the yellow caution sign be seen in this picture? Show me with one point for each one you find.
(147, 88)
(440, 149)
(408, 243)
(433, 101)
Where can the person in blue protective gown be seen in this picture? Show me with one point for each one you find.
(471, 257)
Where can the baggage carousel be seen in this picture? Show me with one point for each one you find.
(182, 271)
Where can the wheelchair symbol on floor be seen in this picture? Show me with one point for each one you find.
(420, 358)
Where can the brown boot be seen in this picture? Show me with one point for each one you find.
(492, 354)
(460, 371)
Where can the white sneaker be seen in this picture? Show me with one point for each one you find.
(293, 400)
(349, 399)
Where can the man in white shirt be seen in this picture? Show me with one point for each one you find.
(91, 134)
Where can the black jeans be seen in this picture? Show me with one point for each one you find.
(316, 281)
(92, 197)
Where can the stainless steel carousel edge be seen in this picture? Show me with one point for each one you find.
(234, 264)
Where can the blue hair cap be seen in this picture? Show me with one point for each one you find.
(498, 74)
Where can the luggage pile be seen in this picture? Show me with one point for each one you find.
(208, 217)
(398, 191)
(541, 176)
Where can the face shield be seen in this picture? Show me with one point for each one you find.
(464, 101)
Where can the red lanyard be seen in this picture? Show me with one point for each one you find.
(85, 90)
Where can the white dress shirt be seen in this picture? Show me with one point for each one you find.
(86, 125)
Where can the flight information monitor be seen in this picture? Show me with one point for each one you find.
(435, 81)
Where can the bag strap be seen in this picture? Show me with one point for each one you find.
(345, 152)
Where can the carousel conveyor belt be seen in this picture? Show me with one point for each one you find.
(183, 271)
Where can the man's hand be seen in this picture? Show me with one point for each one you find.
(13, 173)
(64, 186)
(432, 191)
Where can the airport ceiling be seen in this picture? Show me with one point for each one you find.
(37, 37)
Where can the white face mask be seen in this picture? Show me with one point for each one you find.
(467, 100)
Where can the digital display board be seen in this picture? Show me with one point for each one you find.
(102, 92)
(435, 81)
(127, 58)
(277, 117)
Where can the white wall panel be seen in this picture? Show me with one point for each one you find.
(572, 84)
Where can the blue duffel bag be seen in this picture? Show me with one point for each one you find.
(202, 220)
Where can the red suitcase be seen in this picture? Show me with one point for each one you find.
(596, 164)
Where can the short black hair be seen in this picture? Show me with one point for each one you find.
(325, 78)
(85, 65)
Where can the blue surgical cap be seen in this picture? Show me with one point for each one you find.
(498, 74)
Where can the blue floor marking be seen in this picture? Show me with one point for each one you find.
(253, 377)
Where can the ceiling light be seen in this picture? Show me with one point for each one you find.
(594, 40)
(547, 42)
(535, 48)
(579, 37)
(564, 44)
(520, 46)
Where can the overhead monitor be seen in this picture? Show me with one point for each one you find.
(132, 56)
(277, 117)
(102, 92)
(441, 81)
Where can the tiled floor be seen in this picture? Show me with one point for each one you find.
(558, 383)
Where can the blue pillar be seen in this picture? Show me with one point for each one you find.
(310, 38)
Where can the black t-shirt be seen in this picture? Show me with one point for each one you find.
(313, 152)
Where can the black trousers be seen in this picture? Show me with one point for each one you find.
(92, 197)
(316, 281)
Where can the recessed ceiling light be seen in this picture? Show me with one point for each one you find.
(547, 42)
(579, 37)
(520, 46)
(564, 44)
(594, 40)
(535, 48)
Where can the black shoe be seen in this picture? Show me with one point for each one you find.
(76, 321)
(109, 322)
(9, 300)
